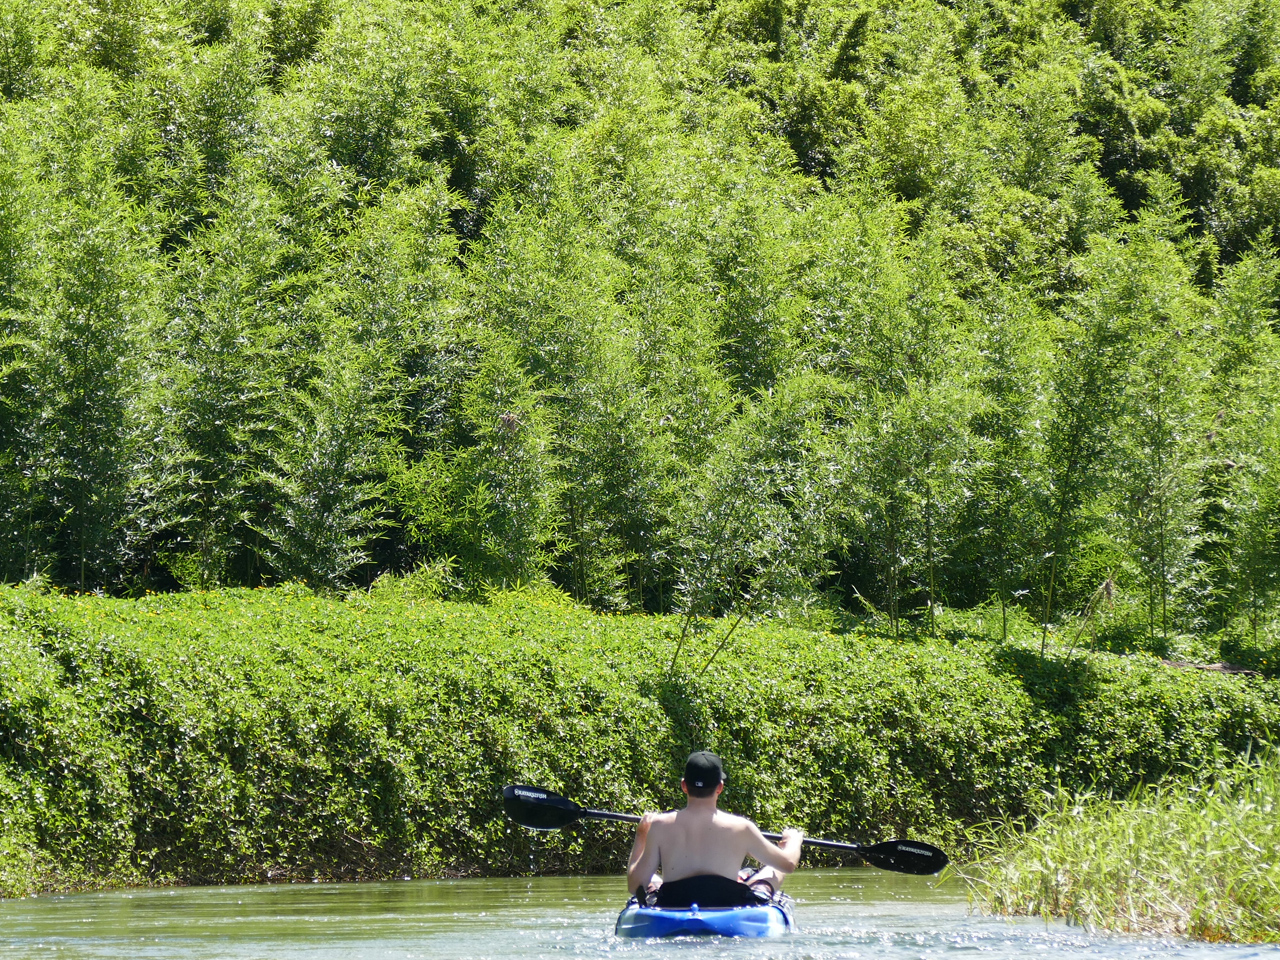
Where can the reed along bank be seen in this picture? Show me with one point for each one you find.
(1200, 860)
(253, 735)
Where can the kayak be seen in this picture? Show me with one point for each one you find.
(770, 919)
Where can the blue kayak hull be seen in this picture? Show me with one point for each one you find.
(765, 920)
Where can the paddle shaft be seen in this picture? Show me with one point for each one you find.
(610, 815)
(632, 818)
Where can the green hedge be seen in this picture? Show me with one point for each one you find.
(273, 734)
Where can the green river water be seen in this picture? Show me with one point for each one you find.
(852, 913)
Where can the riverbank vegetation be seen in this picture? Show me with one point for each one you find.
(273, 734)
(692, 307)
(945, 328)
(1201, 860)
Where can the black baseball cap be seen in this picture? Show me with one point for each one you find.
(703, 769)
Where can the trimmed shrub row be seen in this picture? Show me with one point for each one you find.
(273, 734)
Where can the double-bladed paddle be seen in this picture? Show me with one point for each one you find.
(540, 809)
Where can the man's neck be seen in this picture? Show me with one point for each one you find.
(702, 804)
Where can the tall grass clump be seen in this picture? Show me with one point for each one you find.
(1201, 860)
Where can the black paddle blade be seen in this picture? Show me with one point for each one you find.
(539, 809)
(905, 856)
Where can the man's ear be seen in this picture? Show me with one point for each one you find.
(685, 787)
(719, 788)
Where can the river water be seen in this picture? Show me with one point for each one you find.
(855, 913)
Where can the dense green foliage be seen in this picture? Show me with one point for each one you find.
(1203, 861)
(690, 307)
(271, 734)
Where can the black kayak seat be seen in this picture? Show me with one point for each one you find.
(706, 890)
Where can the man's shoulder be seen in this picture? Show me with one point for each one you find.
(733, 821)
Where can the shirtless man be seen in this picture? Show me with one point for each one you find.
(701, 849)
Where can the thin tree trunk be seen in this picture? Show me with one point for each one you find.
(929, 559)
(893, 578)
(1048, 602)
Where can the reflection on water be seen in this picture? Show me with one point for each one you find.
(841, 913)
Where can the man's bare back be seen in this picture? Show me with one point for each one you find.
(691, 842)
(702, 840)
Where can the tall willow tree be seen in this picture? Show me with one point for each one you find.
(1243, 471)
(549, 285)
(1003, 525)
(216, 374)
(24, 48)
(1163, 420)
(80, 323)
(617, 472)
(81, 390)
(751, 251)
(1093, 347)
(323, 457)
(853, 287)
(486, 499)
(908, 466)
(759, 519)
(1251, 555)
(886, 318)
(20, 253)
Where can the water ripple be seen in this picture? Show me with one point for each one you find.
(843, 915)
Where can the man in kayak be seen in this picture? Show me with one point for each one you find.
(701, 849)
